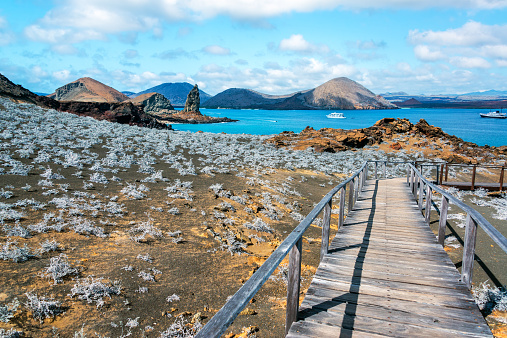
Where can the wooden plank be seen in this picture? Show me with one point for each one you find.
(333, 297)
(373, 262)
(317, 330)
(451, 300)
(362, 279)
(390, 327)
(385, 273)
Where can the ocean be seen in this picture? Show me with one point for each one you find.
(464, 123)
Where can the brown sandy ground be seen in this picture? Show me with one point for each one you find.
(201, 240)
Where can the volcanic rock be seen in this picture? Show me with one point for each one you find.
(193, 102)
(155, 104)
(387, 135)
(119, 112)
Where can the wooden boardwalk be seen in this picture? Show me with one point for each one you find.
(386, 275)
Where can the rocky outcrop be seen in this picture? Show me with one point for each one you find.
(389, 134)
(194, 117)
(193, 102)
(88, 90)
(154, 104)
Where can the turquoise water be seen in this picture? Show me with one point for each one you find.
(464, 123)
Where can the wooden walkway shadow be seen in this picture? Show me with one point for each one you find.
(386, 275)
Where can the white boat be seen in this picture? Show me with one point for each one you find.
(335, 116)
(494, 114)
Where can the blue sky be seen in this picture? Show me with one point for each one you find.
(275, 47)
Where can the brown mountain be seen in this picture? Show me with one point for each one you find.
(339, 93)
(88, 90)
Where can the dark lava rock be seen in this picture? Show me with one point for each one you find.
(193, 101)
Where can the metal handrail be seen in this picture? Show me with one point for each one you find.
(474, 218)
(226, 315)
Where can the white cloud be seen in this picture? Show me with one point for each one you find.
(77, 20)
(6, 36)
(471, 46)
(424, 53)
(470, 62)
(62, 75)
(470, 34)
(131, 53)
(297, 43)
(216, 50)
(65, 49)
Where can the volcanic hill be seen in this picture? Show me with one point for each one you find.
(88, 90)
(339, 93)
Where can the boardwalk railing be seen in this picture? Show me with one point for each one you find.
(381, 165)
(292, 245)
(423, 189)
(444, 176)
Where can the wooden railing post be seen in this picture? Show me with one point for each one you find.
(408, 174)
(412, 178)
(473, 177)
(341, 214)
(351, 195)
(441, 173)
(428, 204)
(444, 206)
(501, 178)
(294, 279)
(376, 167)
(356, 190)
(469, 251)
(437, 174)
(421, 190)
(366, 172)
(325, 229)
(385, 169)
(446, 171)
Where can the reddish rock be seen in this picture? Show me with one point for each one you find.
(395, 146)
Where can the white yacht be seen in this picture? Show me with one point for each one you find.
(335, 116)
(494, 114)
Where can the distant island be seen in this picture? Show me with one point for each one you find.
(337, 94)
